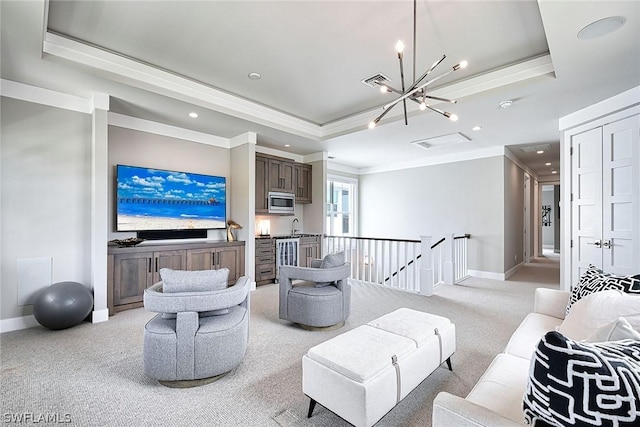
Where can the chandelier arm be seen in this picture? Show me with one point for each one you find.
(444, 113)
(392, 89)
(426, 73)
(384, 113)
(411, 92)
(404, 102)
(388, 87)
(437, 98)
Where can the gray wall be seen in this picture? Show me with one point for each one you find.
(513, 214)
(131, 147)
(45, 195)
(460, 197)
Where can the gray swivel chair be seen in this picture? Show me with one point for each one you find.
(320, 297)
(201, 330)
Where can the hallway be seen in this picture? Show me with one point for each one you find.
(544, 270)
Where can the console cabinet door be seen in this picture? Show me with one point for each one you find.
(216, 258)
(176, 260)
(229, 258)
(200, 259)
(132, 275)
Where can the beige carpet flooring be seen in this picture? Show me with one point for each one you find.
(91, 374)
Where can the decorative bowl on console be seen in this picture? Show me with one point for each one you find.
(131, 241)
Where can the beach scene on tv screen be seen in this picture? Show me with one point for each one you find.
(153, 199)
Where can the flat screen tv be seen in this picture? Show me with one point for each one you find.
(155, 199)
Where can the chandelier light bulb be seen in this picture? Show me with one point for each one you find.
(372, 125)
(452, 117)
(423, 106)
(400, 46)
(383, 89)
(464, 64)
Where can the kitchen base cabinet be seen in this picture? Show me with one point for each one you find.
(265, 261)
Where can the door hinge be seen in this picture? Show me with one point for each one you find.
(571, 151)
(572, 197)
(571, 243)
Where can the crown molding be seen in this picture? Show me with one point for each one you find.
(38, 95)
(159, 81)
(142, 125)
(156, 80)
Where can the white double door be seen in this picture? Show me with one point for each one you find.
(606, 198)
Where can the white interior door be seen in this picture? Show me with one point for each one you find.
(586, 190)
(621, 194)
(606, 198)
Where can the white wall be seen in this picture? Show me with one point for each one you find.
(45, 195)
(460, 197)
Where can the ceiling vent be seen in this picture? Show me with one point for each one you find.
(535, 148)
(380, 78)
(450, 139)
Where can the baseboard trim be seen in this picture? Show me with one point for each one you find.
(512, 271)
(486, 274)
(98, 316)
(18, 323)
(495, 276)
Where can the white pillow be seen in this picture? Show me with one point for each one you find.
(596, 310)
(617, 330)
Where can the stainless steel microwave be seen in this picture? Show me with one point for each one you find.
(282, 203)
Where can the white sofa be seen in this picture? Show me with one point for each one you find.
(496, 399)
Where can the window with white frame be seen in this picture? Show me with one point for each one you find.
(341, 206)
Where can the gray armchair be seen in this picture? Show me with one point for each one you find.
(199, 334)
(320, 297)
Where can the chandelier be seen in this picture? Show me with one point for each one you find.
(417, 92)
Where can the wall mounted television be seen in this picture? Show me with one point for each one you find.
(154, 199)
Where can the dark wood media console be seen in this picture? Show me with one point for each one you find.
(130, 270)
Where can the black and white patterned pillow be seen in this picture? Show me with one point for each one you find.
(595, 280)
(583, 384)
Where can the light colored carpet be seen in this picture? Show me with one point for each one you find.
(92, 373)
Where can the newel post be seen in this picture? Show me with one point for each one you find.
(426, 267)
(450, 261)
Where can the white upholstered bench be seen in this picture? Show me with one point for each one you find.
(362, 374)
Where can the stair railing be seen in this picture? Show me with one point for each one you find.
(411, 265)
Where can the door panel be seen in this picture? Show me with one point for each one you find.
(587, 200)
(621, 196)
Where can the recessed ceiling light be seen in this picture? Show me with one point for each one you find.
(506, 104)
(476, 128)
(255, 76)
(287, 145)
(547, 164)
(601, 27)
(554, 171)
(540, 151)
(193, 115)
